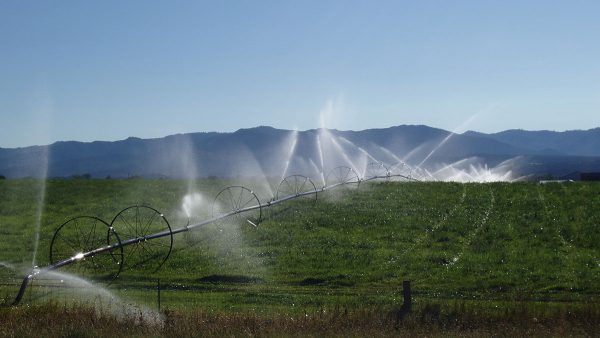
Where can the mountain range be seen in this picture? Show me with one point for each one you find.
(275, 152)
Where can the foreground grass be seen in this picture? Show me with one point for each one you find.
(493, 257)
(457, 319)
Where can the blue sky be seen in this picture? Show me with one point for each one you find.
(106, 70)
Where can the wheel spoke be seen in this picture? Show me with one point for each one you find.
(239, 198)
(82, 235)
(144, 253)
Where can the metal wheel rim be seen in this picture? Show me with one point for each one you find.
(296, 184)
(141, 243)
(376, 169)
(343, 175)
(118, 257)
(234, 199)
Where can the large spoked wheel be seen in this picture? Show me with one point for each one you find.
(146, 236)
(401, 172)
(81, 235)
(237, 204)
(376, 170)
(342, 175)
(297, 185)
(294, 187)
(419, 174)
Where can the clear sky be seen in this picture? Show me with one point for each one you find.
(106, 70)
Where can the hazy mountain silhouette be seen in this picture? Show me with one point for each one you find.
(571, 142)
(266, 151)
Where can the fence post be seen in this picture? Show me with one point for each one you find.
(407, 304)
(30, 291)
(158, 292)
(401, 312)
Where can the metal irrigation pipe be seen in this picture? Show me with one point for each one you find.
(35, 272)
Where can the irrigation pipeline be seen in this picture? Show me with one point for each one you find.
(74, 259)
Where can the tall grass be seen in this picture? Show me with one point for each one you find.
(431, 319)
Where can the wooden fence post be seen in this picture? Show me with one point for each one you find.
(158, 292)
(407, 304)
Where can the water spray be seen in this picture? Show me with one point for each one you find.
(140, 237)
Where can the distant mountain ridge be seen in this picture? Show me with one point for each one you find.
(570, 142)
(266, 151)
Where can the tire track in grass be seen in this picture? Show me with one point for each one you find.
(486, 258)
(550, 220)
(575, 229)
(525, 258)
(471, 236)
(595, 205)
(559, 249)
(429, 232)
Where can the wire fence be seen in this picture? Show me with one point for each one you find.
(43, 290)
(158, 294)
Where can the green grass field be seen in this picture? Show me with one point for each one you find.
(480, 246)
